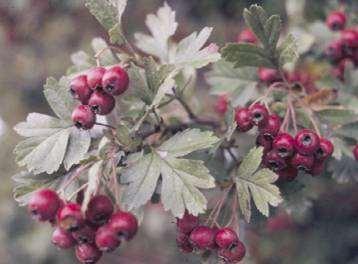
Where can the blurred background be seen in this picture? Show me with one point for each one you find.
(37, 38)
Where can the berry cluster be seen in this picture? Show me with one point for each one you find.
(193, 236)
(96, 90)
(283, 153)
(98, 230)
(343, 50)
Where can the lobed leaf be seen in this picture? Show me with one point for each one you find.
(188, 141)
(243, 55)
(179, 180)
(224, 78)
(256, 184)
(161, 26)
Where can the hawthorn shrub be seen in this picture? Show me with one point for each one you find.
(129, 128)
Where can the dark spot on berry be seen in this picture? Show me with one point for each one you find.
(95, 108)
(302, 168)
(307, 140)
(109, 88)
(78, 124)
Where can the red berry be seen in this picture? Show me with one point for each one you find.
(44, 204)
(288, 174)
(306, 142)
(70, 217)
(202, 237)
(243, 119)
(318, 168)
(101, 103)
(187, 223)
(83, 117)
(268, 76)
(94, 77)
(302, 162)
(258, 114)
(183, 243)
(264, 142)
(325, 149)
(99, 210)
(62, 239)
(79, 89)
(115, 80)
(226, 238)
(284, 144)
(107, 239)
(124, 224)
(355, 152)
(335, 50)
(234, 254)
(274, 161)
(84, 235)
(221, 105)
(88, 253)
(271, 127)
(336, 20)
(246, 35)
(349, 38)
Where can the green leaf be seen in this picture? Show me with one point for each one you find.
(190, 52)
(48, 155)
(251, 162)
(115, 32)
(78, 146)
(156, 74)
(348, 130)
(225, 79)
(142, 177)
(288, 51)
(50, 141)
(266, 28)
(180, 178)
(153, 83)
(256, 17)
(40, 125)
(272, 30)
(243, 54)
(138, 84)
(256, 184)
(104, 11)
(188, 141)
(162, 26)
(58, 96)
(337, 116)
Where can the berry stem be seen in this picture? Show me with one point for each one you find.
(269, 90)
(84, 186)
(74, 176)
(105, 125)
